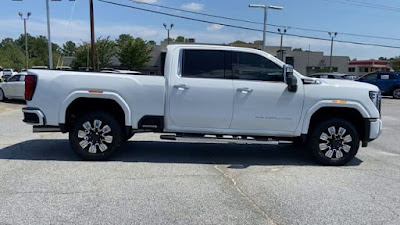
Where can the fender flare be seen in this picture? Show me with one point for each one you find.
(86, 94)
(328, 103)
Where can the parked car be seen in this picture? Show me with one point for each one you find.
(128, 72)
(216, 93)
(40, 67)
(13, 88)
(7, 73)
(65, 68)
(1, 74)
(388, 82)
(334, 76)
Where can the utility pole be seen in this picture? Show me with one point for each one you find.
(48, 36)
(26, 37)
(282, 32)
(92, 37)
(332, 35)
(265, 7)
(168, 29)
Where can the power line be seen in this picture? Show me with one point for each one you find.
(364, 4)
(259, 23)
(373, 4)
(245, 28)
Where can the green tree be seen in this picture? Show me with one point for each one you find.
(239, 42)
(297, 49)
(69, 48)
(395, 62)
(151, 42)
(133, 53)
(106, 49)
(11, 55)
(180, 39)
(82, 56)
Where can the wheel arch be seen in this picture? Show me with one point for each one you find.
(341, 110)
(351, 114)
(84, 100)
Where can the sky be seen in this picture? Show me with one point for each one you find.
(70, 21)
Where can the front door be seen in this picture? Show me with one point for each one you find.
(200, 95)
(262, 103)
(10, 86)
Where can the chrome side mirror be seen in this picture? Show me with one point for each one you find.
(289, 78)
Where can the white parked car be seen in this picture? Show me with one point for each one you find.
(128, 72)
(215, 93)
(7, 73)
(13, 88)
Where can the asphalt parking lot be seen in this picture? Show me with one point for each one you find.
(158, 182)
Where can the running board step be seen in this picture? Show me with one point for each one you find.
(222, 139)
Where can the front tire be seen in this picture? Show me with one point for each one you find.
(95, 135)
(396, 93)
(334, 142)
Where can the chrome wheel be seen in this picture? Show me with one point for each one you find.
(333, 143)
(94, 136)
(396, 93)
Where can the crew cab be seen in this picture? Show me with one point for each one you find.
(215, 93)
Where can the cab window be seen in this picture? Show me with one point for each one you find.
(372, 76)
(203, 64)
(14, 78)
(250, 66)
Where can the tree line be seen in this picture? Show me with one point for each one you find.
(132, 53)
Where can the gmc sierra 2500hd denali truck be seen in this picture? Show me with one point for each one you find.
(220, 93)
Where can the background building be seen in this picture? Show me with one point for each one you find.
(363, 67)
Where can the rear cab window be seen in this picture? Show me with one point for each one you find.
(203, 63)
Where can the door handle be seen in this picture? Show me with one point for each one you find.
(245, 90)
(181, 87)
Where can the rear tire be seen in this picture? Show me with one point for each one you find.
(334, 142)
(396, 93)
(95, 135)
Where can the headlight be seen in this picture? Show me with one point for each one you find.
(376, 98)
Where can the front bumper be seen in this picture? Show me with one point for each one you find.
(373, 128)
(33, 116)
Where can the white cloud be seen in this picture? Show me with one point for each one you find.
(145, 1)
(214, 27)
(193, 6)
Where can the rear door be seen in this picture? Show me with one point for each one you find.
(200, 93)
(262, 103)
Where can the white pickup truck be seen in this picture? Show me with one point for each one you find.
(215, 93)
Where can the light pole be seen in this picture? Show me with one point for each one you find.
(332, 35)
(168, 29)
(282, 32)
(265, 7)
(26, 37)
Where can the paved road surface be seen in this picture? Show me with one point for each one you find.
(157, 182)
